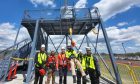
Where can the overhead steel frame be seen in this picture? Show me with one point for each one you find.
(113, 61)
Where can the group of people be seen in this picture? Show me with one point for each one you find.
(80, 65)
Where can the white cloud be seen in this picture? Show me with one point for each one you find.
(122, 24)
(43, 2)
(109, 8)
(118, 36)
(8, 33)
(81, 4)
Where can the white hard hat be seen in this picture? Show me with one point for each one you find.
(88, 48)
(80, 50)
(63, 48)
(42, 46)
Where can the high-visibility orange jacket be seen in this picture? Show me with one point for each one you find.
(62, 60)
(52, 62)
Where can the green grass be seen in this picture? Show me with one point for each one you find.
(123, 70)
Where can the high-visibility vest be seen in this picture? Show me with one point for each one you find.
(41, 58)
(62, 60)
(89, 63)
(69, 53)
(82, 60)
(83, 63)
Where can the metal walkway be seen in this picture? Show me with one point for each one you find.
(19, 80)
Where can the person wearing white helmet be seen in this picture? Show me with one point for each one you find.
(63, 66)
(40, 65)
(72, 55)
(92, 66)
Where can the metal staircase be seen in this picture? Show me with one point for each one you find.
(19, 50)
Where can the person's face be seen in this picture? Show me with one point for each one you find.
(88, 51)
(69, 48)
(43, 49)
(52, 52)
(63, 50)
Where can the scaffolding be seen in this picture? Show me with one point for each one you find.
(41, 24)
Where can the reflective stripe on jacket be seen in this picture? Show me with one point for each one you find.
(62, 60)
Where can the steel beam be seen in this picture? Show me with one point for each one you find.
(47, 43)
(52, 27)
(66, 40)
(53, 44)
(112, 58)
(81, 28)
(97, 38)
(32, 54)
(87, 40)
(81, 43)
(60, 43)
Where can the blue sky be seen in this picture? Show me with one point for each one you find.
(121, 18)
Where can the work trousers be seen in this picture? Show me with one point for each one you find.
(63, 73)
(38, 77)
(93, 76)
(51, 73)
(79, 76)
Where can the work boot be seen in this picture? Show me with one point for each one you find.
(74, 79)
(65, 80)
(24, 80)
(85, 79)
(60, 79)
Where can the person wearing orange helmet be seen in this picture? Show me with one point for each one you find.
(40, 65)
(52, 67)
(72, 55)
(63, 66)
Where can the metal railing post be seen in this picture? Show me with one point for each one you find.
(32, 54)
(112, 58)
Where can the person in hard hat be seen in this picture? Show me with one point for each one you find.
(72, 55)
(52, 67)
(40, 65)
(63, 66)
(81, 59)
(92, 66)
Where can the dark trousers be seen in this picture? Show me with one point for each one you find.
(38, 77)
(93, 77)
(63, 73)
(79, 76)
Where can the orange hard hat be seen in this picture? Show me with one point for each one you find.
(42, 72)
